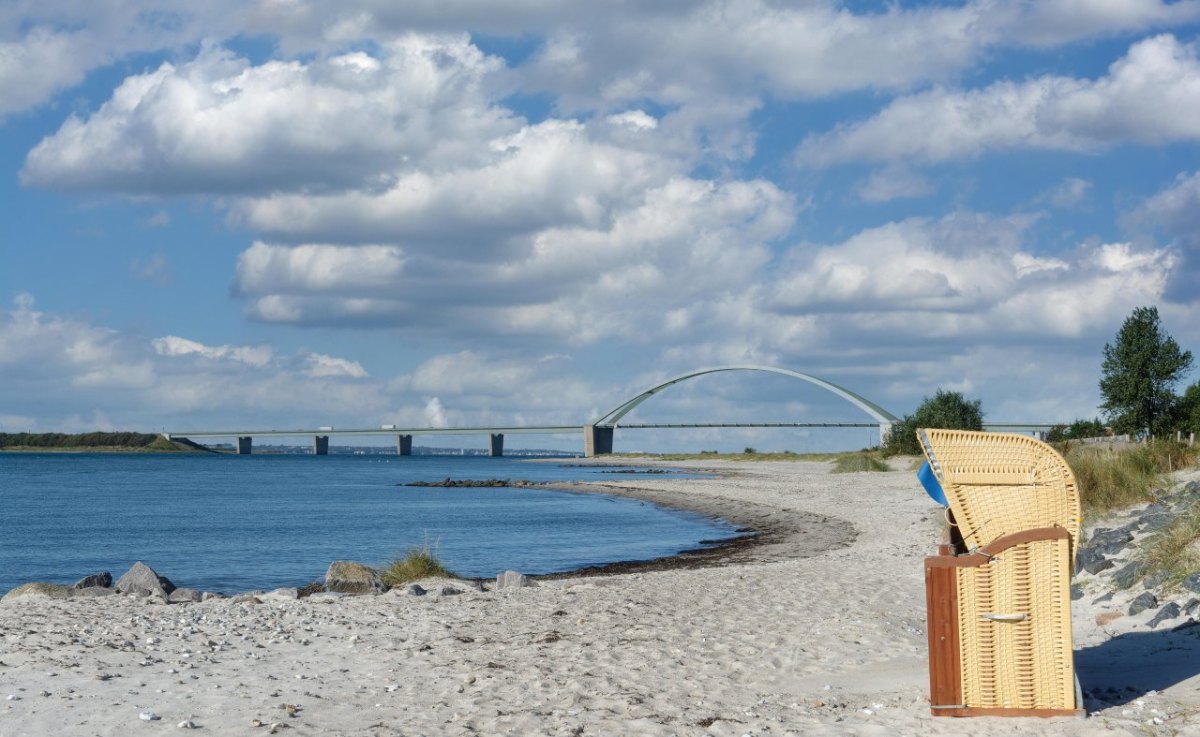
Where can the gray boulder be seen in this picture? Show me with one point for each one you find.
(1192, 582)
(1191, 606)
(1093, 560)
(1155, 522)
(102, 580)
(1129, 574)
(143, 581)
(415, 590)
(1076, 593)
(1112, 541)
(184, 596)
(348, 577)
(1170, 611)
(1154, 580)
(513, 580)
(40, 590)
(1142, 603)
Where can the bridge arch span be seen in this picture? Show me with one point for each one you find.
(607, 422)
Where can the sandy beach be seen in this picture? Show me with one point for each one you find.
(817, 630)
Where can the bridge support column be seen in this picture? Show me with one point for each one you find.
(496, 444)
(320, 445)
(885, 432)
(597, 440)
(243, 445)
(404, 445)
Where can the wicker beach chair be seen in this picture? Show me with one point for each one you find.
(999, 597)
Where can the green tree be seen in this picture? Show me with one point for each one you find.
(1141, 367)
(1187, 410)
(1085, 429)
(946, 410)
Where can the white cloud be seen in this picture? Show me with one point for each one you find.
(1053, 22)
(435, 414)
(173, 345)
(1175, 208)
(220, 124)
(1067, 193)
(154, 269)
(1150, 96)
(681, 243)
(319, 365)
(315, 268)
(551, 174)
(160, 219)
(893, 183)
(36, 66)
(952, 282)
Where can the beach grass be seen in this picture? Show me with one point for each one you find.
(1174, 550)
(1115, 479)
(417, 563)
(855, 462)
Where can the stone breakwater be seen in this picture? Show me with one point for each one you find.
(344, 578)
(1113, 572)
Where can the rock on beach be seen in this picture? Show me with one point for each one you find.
(101, 580)
(40, 590)
(142, 580)
(348, 577)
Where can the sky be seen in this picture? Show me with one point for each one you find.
(290, 213)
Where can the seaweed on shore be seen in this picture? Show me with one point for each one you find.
(449, 483)
(656, 471)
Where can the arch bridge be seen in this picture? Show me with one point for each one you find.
(598, 434)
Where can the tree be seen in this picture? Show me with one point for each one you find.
(1187, 410)
(1140, 369)
(946, 410)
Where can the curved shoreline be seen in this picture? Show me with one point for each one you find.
(769, 536)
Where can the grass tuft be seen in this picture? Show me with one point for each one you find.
(856, 462)
(1175, 550)
(416, 564)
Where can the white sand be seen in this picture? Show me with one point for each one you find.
(819, 632)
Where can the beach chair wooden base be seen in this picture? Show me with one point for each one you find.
(999, 646)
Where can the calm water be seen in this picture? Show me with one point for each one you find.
(231, 523)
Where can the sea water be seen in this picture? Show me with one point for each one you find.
(236, 523)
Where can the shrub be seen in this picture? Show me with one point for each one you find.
(947, 410)
(853, 462)
(416, 564)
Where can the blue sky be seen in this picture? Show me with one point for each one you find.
(290, 213)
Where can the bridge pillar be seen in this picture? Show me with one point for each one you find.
(243, 444)
(320, 445)
(597, 440)
(496, 444)
(404, 445)
(885, 432)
